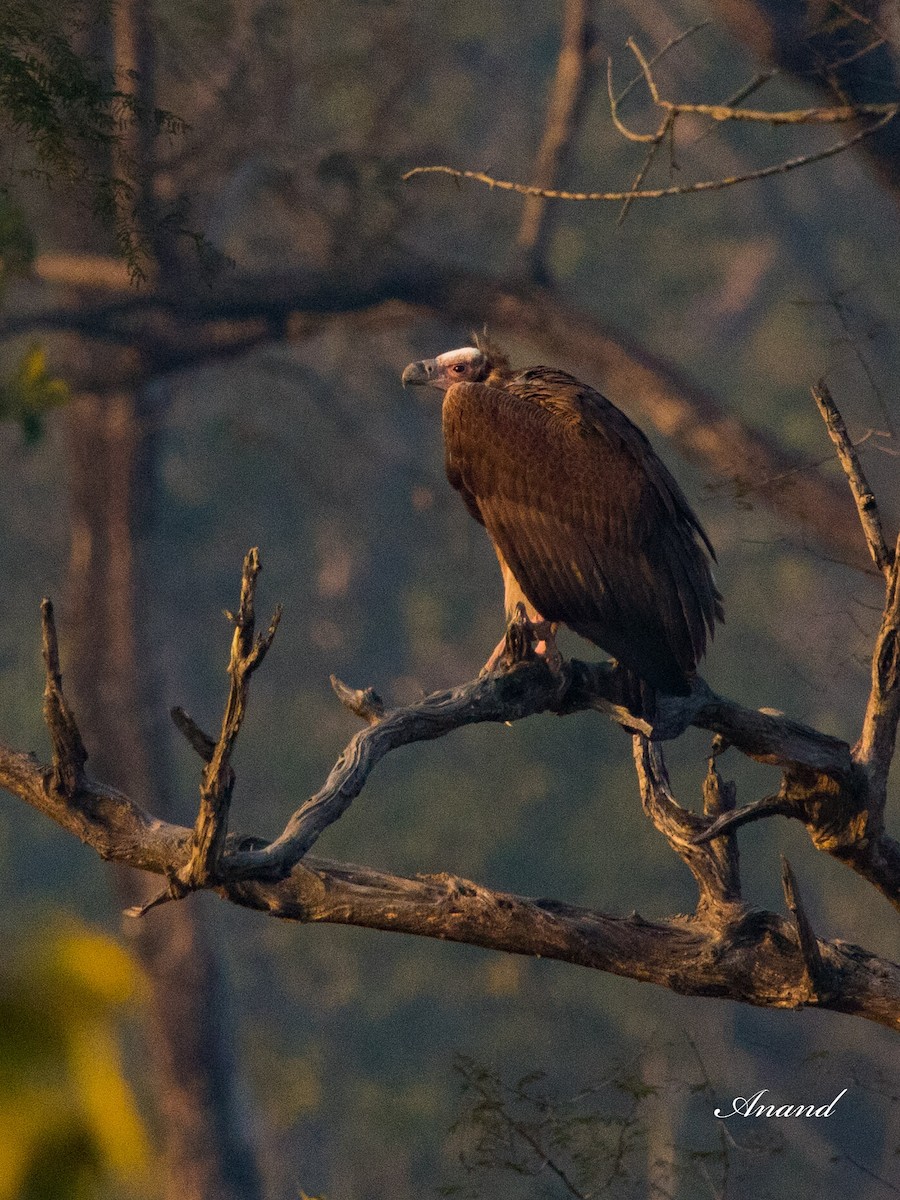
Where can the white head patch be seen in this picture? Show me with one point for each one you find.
(467, 354)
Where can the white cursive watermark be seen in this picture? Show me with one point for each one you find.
(752, 1106)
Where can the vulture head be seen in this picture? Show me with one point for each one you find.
(481, 363)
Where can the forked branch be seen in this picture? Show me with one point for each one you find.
(248, 649)
(725, 948)
(872, 116)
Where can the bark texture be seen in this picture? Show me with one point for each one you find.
(726, 948)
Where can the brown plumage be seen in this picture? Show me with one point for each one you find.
(590, 527)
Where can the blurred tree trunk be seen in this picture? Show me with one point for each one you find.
(114, 679)
(566, 104)
(189, 1042)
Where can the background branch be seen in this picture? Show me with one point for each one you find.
(683, 189)
(185, 327)
(566, 105)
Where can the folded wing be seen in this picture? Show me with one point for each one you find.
(596, 531)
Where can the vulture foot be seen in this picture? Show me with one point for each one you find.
(524, 638)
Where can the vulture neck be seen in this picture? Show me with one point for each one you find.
(499, 374)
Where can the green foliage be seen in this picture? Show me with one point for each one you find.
(69, 111)
(30, 392)
(69, 1121)
(52, 98)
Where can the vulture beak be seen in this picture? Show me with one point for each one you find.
(419, 372)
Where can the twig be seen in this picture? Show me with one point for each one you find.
(738, 97)
(809, 946)
(706, 185)
(843, 311)
(658, 57)
(202, 742)
(729, 822)
(69, 754)
(248, 649)
(614, 102)
(840, 114)
(363, 702)
(664, 129)
(837, 115)
(866, 505)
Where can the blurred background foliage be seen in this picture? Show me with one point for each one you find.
(300, 119)
(70, 1120)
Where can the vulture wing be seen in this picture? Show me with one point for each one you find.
(594, 528)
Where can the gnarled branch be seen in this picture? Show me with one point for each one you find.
(724, 949)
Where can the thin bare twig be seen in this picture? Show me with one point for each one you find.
(614, 102)
(836, 115)
(705, 185)
(202, 742)
(658, 57)
(862, 494)
(664, 130)
(248, 649)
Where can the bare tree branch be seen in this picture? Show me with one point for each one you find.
(248, 649)
(69, 754)
(848, 59)
(835, 115)
(865, 500)
(809, 946)
(568, 98)
(757, 961)
(713, 873)
(725, 948)
(875, 749)
(881, 114)
(684, 189)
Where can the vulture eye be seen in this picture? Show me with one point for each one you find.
(459, 368)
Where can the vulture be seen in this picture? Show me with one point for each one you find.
(590, 528)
